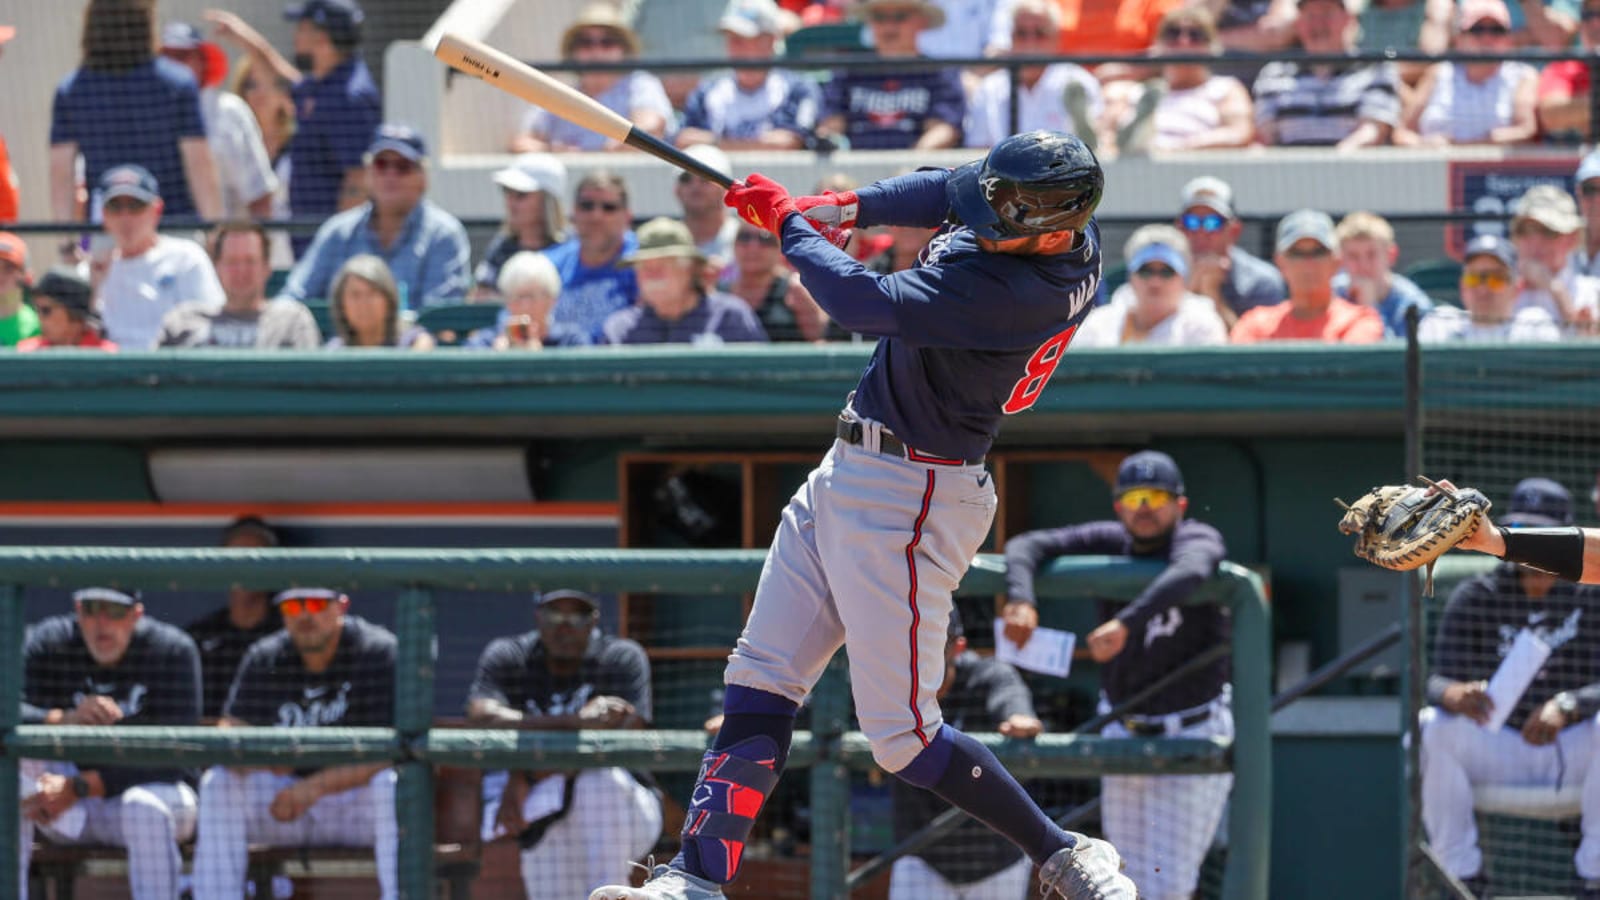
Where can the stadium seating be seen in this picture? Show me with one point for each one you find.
(1439, 278)
(822, 40)
(451, 324)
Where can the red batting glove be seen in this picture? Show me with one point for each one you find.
(762, 202)
(839, 237)
(829, 208)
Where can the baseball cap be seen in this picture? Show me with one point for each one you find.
(710, 156)
(306, 593)
(1475, 11)
(401, 139)
(1550, 206)
(13, 250)
(661, 237)
(541, 600)
(1210, 192)
(250, 525)
(130, 181)
(748, 18)
(1159, 252)
(65, 286)
(1539, 502)
(1589, 167)
(105, 595)
(332, 16)
(534, 172)
(1149, 468)
(600, 15)
(184, 36)
(1491, 245)
(1306, 223)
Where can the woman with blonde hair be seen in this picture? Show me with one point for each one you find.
(365, 305)
(1187, 106)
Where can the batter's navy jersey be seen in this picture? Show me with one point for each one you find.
(516, 671)
(1163, 634)
(157, 682)
(222, 646)
(967, 337)
(273, 686)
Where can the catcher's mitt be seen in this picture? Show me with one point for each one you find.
(1403, 527)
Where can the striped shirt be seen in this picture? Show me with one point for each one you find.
(1310, 109)
(1465, 111)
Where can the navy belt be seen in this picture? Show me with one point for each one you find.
(853, 432)
(1156, 725)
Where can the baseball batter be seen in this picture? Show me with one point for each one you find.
(871, 547)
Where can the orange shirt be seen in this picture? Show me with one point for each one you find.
(1343, 322)
(91, 340)
(1111, 26)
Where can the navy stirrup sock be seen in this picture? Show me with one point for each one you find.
(736, 776)
(966, 774)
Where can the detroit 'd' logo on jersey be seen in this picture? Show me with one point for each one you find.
(319, 705)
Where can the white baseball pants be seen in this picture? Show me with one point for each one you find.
(913, 879)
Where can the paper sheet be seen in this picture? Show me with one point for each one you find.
(1516, 672)
(544, 799)
(1048, 651)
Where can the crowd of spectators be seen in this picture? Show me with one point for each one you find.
(157, 124)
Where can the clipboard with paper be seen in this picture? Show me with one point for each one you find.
(1516, 672)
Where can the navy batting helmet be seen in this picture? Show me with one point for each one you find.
(1036, 182)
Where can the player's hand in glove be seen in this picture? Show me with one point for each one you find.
(1402, 527)
(833, 214)
(762, 202)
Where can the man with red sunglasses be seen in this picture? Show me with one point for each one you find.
(324, 669)
(107, 663)
(1162, 824)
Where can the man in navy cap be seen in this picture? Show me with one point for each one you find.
(337, 107)
(1163, 825)
(1547, 736)
(426, 248)
(1489, 298)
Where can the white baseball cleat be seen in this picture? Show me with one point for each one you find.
(1091, 869)
(664, 883)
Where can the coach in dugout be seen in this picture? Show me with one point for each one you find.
(1163, 825)
(1548, 735)
(107, 663)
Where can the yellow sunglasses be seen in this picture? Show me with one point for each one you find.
(1492, 280)
(1155, 498)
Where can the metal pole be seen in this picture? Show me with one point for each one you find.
(1013, 101)
(1414, 673)
(10, 715)
(830, 786)
(413, 714)
(1249, 867)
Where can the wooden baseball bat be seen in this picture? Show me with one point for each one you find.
(519, 79)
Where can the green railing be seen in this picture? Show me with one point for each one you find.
(414, 747)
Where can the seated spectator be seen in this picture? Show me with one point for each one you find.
(1254, 26)
(1111, 26)
(365, 308)
(336, 99)
(674, 306)
(1317, 104)
(1544, 228)
(913, 108)
(759, 277)
(979, 694)
(1547, 738)
(425, 247)
(1059, 97)
(1160, 311)
(1219, 268)
(65, 306)
(150, 272)
(1585, 257)
(711, 224)
(1489, 298)
(529, 285)
(1367, 253)
(1563, 102)
(752, 109)
(248, 179)
(1307, 254)
(1188, 106)
(126, 105)
(594, 282)
(324, 669)
(567, 675)
(1488, 102)
(224, 634)
(599, 35)
(17, 319)
(108, 663)
(247, 320)
(532, 186)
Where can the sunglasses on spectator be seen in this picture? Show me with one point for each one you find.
(124, 205)
(396, 164)
(757, 237)
(109, 608)
(592, 205)
(1155, 271)
(1590, 189)
(1174, 33)
(1154, 498)
(1494, 281)
(1488, 29)
(1317, 252)
(891, 16)
(1591, 15)
(295, 606)
(1208, 223)
(601, 41)
(566, 619)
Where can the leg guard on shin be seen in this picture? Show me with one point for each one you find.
(734, 783)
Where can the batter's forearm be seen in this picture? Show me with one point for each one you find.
(845, 289)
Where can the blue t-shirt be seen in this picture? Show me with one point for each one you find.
(967, 336)
(335, 118)
(1403, 294)
(590, 294)
(137, 116)
(890, 110)
(718, 319)
(784, 101)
